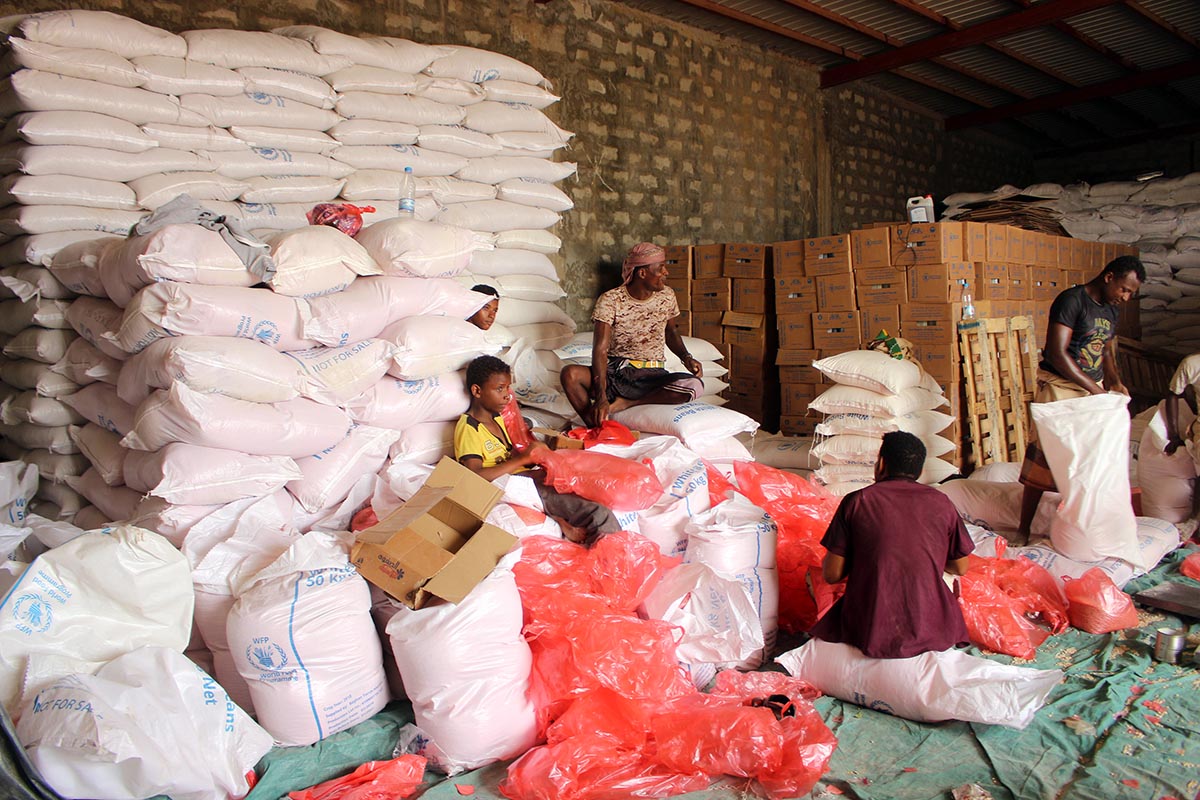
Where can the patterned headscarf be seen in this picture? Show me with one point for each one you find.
(641, 255)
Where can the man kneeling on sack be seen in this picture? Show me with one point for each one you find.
(632, 322)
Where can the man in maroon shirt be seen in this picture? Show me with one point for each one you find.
(892, 541)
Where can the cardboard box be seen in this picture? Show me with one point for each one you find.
(706, 325)
(879, 318)
(1045, 282)
(870, 247)
(1063, 257)
(711, 294)
(1019, 285)
(1047, 250)
(880, 286)
(753, 295)
(836, 330)
(795, 366)
(683, 323)
(795, 295)
(991, 281)
(927, 243)
(788, 258)
(836, 292)
(749, 361)
(744, 330)
(747, 260)
(798, 424)
(942, 361)
(557, 440)
(974, 241)
(679, 273)
(939, 283)
(794, 398)
(708, 260)
(795, 331)
(997, 242)
(437, 544)
(826, 255)
(1028, 247)
(932, 323)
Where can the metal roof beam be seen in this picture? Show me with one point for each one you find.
(1049, 102)
(1033, 17)
(771, 27)
(1163, 23)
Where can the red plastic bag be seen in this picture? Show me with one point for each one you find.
(374, 780)
(364, 519)
(718, 485)
(514, 423)
(346, 217)
(994, 620)
(608, 480)
(1034, 588)
(1097, 605)
(609, 432)
(802, 512)
(1190, 566)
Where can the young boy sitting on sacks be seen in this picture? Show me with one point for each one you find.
(482, 444)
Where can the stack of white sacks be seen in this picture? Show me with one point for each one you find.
(156, 379)
(109, 119)
(1160, 217)
(875, 394)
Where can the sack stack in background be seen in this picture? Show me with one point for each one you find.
(109, 119)
(1160, 218)
(173, 378)
(874, 394)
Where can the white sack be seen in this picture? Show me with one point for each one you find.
(197, 137)
(420, 249)
(78, 62)
(493, 216)
(317, 260)
(95, 319)
(474, 64)
(497, 169)
(187, 474)
(291, 189)
(157, 190)
(92, 599)
(99, 403)
(61, 190)
(178, 76)
(233, 49)
(472, 701)
(34, 90)
(103, 450)
(176, 309)
(242, 368)
(325, 478)
(386, 52)
(931, 687)
(287, 83)
(302, 636)
(397, 108)
(149, 722)
(113, 502)
(101, 30)
(79, 127)
(29, 282)
(370, 304)
(396, 404)
(1082, 439)
(429, 346)
(56, 439)
(737, 540)
(695, 423)
(1167, 481)
(335, 375)
(424, 443)
(29, 407)
(295, 428)
(373, 132)
(39, 377)
(425, 163)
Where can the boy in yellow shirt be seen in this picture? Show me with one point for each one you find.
(482, 445)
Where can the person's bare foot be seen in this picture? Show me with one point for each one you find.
(1024, 537)
(572, 533)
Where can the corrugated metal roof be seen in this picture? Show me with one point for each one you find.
(1030, 63)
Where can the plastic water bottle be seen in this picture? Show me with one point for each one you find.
(408, 194)
(968, 305)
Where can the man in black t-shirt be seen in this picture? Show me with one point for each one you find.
(1080, 358)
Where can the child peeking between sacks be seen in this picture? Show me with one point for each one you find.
(482, 445)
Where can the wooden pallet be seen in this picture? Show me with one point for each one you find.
(999, 362)
(1146, 372)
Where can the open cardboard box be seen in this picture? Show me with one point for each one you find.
(436, 544)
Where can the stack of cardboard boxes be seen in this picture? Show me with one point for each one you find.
(833, 293)
(727, 296)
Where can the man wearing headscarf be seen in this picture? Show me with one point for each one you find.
(633, 322)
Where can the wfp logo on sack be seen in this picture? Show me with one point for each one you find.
(32, 613)
(273, 154)
(270, 660)
(264, 99)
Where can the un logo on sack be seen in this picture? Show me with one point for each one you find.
(266, 655)
(32, 613)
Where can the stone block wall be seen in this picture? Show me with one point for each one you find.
(682, 135)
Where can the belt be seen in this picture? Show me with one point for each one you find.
(646, 364)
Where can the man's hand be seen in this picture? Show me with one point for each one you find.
(694, 366)
(1173, 444)
(1119, 387)
(599, 413)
